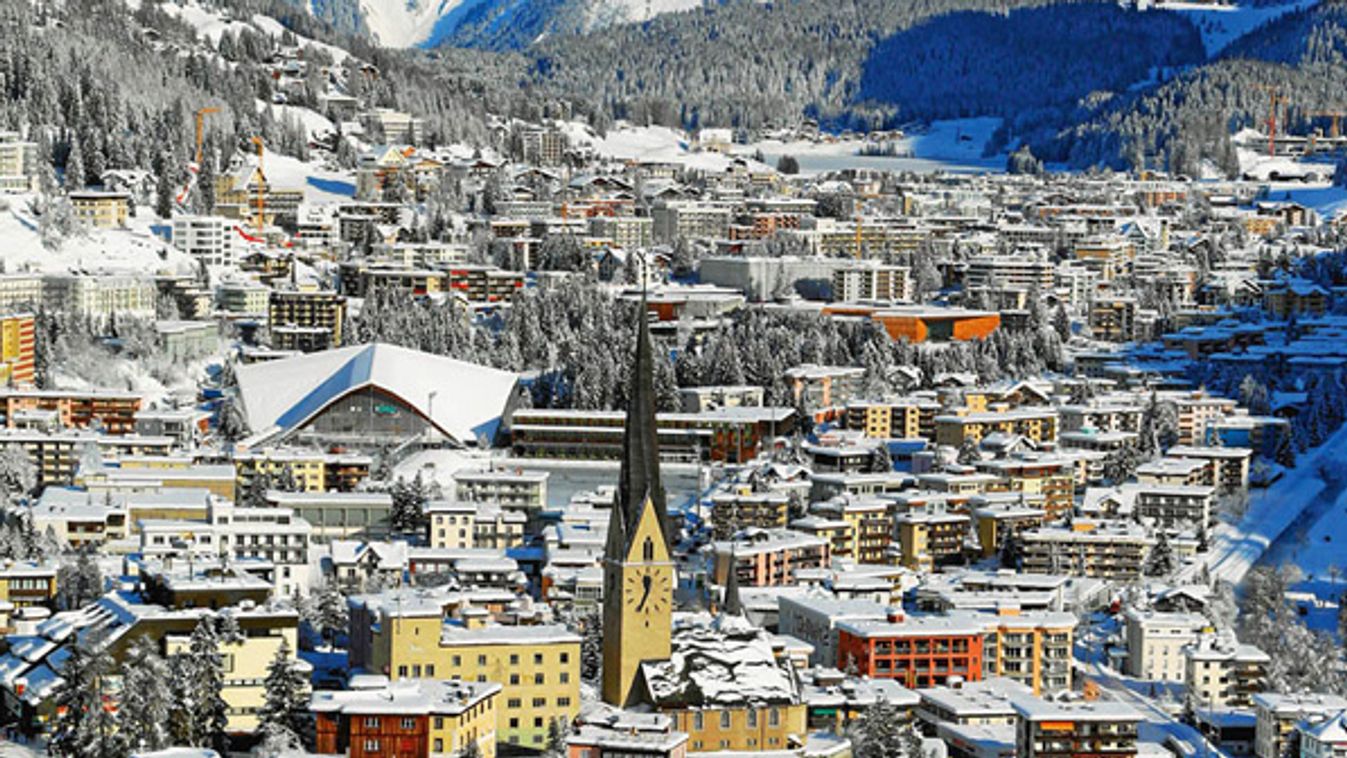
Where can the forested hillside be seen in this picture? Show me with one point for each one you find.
(743, 63)
(1188, 120)
(979, 64)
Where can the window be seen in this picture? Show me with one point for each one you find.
(514, 659)
(648, 550)
(752, 719)
(457, 661)
(408, 724)
(372, 722)
(565, 678)
(514, 679)
(539, 702)
(724, 719)
(512, 703)
(439, 745)
(537, 659)
(416, 670)
(481, 660)
(514, 723)
(439, 723)
(774, 717)
(402, 671)
(538, 722)
(565, 657)
(698, 721)
(371, 746)
(563, 702)
(539, 679)
(430, 670)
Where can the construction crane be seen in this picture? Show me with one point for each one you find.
(201, 130)
(1335, 125)
(261, 219)
(1275, 98)
(194, 168)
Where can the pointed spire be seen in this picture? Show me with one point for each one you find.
(733, 605)
(639, 478)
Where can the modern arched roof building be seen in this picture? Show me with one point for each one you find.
(371, 396)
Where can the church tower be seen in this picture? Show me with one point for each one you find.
(638, 567)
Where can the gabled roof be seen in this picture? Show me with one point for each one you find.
(460, 399)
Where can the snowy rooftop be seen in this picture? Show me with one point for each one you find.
(725, 662)
(288, 393)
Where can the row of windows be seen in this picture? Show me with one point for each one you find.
(515, 703)
(773, 718)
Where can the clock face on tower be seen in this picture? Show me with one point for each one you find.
(647, 592)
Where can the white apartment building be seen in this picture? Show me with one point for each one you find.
(100, 295)
(209, 239)
(273, 535)
(1223, 673)
(872, 281)
(1022, 270)
(690, 220)
(1155, 643)
(18, 163)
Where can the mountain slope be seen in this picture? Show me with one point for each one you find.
(1185, 124)
(487, 24)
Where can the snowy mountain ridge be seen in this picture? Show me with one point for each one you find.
(426, 23)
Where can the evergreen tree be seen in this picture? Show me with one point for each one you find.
(86, 723)
(146, 703)
(285, 710)
(74, 166)
(208, 711)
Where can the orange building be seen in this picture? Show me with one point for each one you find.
(17, 353)
(918, 652)
(925, 323)
(115, 412)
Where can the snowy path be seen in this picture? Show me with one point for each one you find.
(1236, 548)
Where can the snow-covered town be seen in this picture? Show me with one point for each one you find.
(384, 381)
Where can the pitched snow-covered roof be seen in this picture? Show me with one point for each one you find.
(461, 399)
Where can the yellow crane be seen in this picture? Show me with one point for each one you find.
(261, 218)
(201, 130)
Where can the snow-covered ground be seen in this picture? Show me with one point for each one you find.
(953, 145)
(320, 185)
(135, 249)
(1236, 548)
(1220, 25)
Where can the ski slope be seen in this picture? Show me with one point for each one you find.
(1220, 25)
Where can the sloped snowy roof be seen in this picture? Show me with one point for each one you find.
(724, 663)
(461, 399)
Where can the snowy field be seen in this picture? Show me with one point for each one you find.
(955, 145)
(1236, 548)
(1220, 25)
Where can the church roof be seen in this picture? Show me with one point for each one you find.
(639, 478)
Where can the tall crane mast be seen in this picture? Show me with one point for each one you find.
(200, 118)
(261, 200)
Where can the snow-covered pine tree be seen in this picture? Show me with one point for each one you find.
(145, 702)
(286, 705)
(332, 614)
(86, 723)
(209, 712)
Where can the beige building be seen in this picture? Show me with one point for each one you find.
(1156, 642)
(458, 524)
(101, 210)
